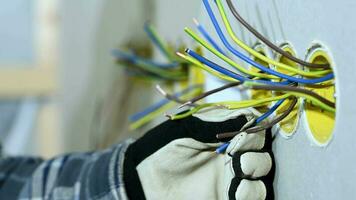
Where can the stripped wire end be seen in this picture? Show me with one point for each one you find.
(161, 91)
(180, 54)
(188, 103)
(196, 22)
(170, 117)
(222, 106)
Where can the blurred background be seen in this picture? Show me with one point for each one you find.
(60, 88)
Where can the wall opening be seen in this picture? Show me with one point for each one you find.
(260, 94)
(320, 122)
(288, 126)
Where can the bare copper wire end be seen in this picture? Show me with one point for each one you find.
(168, 116)
(168, 96)
(188, 103)
(160, 90)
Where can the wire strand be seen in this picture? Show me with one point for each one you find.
(262, 57)
(227, 71)
(208, 37)
(208, 93)
(262, 127)
(270, 111)
(285, 88)
(249, 49)
(269, 43)
(157, 40)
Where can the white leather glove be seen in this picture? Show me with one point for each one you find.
(177, 160)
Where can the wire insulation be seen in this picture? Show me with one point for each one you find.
(249, 49)
(270, 111)
(228, 72)
(269, 43)
(261, 67)
(285, 88)
(158, 41)
(263, 127)
(208, 37)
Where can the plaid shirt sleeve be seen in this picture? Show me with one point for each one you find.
(95, 175)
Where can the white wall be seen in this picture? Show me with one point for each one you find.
(89, 30)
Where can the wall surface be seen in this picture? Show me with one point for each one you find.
(95, 96)
(92, 85)
(305, 171)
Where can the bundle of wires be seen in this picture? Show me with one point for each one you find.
(138, 66)
(286, 85)
(175, 70)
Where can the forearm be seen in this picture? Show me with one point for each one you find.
(92, 175)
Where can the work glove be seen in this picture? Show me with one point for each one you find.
(177, 160)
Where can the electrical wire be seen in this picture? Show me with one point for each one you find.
(270, 111)
(171, 97)
(229, 72)
(150, 116)
(285, 88)
(159, 104)
(230, 105)
(137, 59)
(249, 49)
(260, 75)
(312, 99)
(215, 67)
(225, 58)
(208, 37)
(196, 63)
(269, 43)
(208, 93)
(157, 40)
(262, 127)
(254, 102)
(317, 99)
(222, 148)
(138, 72)
(149, 66)
(263, 68)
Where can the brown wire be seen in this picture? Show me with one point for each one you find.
(293, 89)
(172, 97)
(269, 43)
(263, 87)
(260, 128)
(208, 93)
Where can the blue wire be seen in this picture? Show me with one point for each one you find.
(228, 72)
(148, 110)
(159, 104)
(257, 65)
(135, 59)
(270, 111)
(154, 40)
(210, 39)
(222, 148)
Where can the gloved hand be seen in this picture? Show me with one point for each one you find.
(177, 160)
